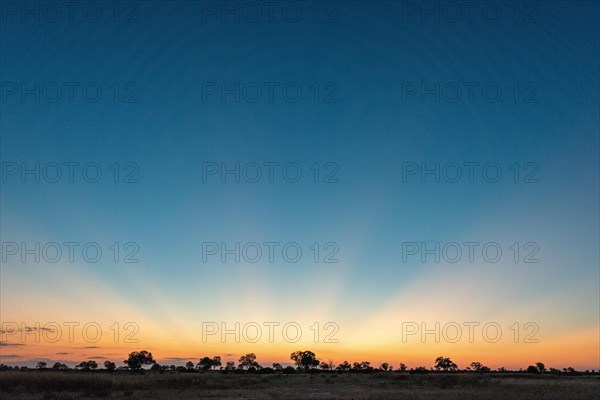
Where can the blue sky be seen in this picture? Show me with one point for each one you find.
(369, 54)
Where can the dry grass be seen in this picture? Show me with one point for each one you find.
(34, 385)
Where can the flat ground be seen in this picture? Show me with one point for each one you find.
(49, 385)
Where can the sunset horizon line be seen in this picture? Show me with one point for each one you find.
(410, 364)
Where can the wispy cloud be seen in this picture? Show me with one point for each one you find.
(28, 329)
(179, 358)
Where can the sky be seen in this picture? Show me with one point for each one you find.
(381, 181)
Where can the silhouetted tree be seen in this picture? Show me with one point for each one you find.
(402, 367)
(87, 365)
(540, 366)
(478, 367)
(384, 366)
(345, 366)
(60, 367)
(137, 360)
(205, 363)
(230, 366)
(305, 359)
(331, 364)
(189, 366)
(109, 365)
(83, 365)
(277, 367)
(364, 366)
(445, 364)
(41, 365)
(248, 361)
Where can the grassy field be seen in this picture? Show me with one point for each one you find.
(49, 385)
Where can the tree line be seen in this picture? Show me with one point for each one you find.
(304, 361)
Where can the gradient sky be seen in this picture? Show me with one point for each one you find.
(371, 52)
